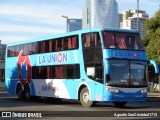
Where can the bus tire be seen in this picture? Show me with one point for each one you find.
(120, 104)
(20, 92)
(27, 94)
(85, 98)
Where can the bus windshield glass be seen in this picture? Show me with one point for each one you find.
(122, 40)
(124, 73)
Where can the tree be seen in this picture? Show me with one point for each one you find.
(151, 39)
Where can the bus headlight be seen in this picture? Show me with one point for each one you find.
(113, 90)
(144, 91)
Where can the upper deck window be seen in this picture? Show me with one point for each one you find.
(90, 40)
(122, 40)
(45, 46)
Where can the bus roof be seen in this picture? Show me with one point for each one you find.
(71, 33)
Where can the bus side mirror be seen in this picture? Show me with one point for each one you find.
(155, 66)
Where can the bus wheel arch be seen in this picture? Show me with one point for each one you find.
(20, 91)
(27, 92)
(84, 96)
(80, 89)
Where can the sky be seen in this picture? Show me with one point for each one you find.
(28, 19)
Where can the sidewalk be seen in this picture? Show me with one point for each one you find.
(153, 97)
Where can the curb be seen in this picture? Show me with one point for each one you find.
(153, 95)
(153, 99)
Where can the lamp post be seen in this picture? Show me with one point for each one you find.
(66, 17)
(137, 14)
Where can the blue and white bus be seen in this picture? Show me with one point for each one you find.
(96, 64)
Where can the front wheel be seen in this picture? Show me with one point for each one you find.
(120, 104)
(85, 98)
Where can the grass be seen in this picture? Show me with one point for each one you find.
(155, 91)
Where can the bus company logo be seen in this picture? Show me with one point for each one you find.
(53, 58)
(24, 68)
(49, 88)
(127, 54)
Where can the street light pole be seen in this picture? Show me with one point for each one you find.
(66, 21)
(137, 14)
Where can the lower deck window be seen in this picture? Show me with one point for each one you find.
(56, 72)
(95, 71)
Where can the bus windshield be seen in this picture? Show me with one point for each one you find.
(122, 40)
(124, 73)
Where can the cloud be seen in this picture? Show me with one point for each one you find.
(19, 33)
(28, 29)
(39, 12)
(37, 19)
(32, 14)
(7, 39)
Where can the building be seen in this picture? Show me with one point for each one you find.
(74, 24)
(100, 13)
(120, 20)
(129, 20)
(85, 18)
(2, 61)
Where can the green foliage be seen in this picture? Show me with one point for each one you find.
(154, 23)
(151, 40)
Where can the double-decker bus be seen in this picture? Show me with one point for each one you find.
(96, 64)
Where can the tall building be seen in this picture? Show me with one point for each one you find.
(120, 19)
(85, 18)
(74, 24)
(130, 20)
(100, 13)
(2, 61)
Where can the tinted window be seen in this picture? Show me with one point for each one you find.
(56, 72)
(91, 40)
(119, 40)
(59, 44)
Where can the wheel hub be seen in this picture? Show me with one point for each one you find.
(86, 97)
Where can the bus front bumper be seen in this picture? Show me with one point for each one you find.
(127, 96)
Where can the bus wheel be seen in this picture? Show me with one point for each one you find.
(20, 92)
(85, 98)
(119, 104)
(27, 94)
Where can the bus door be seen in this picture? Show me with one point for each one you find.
(93, 63)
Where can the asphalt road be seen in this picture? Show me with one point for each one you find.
(43, 108)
